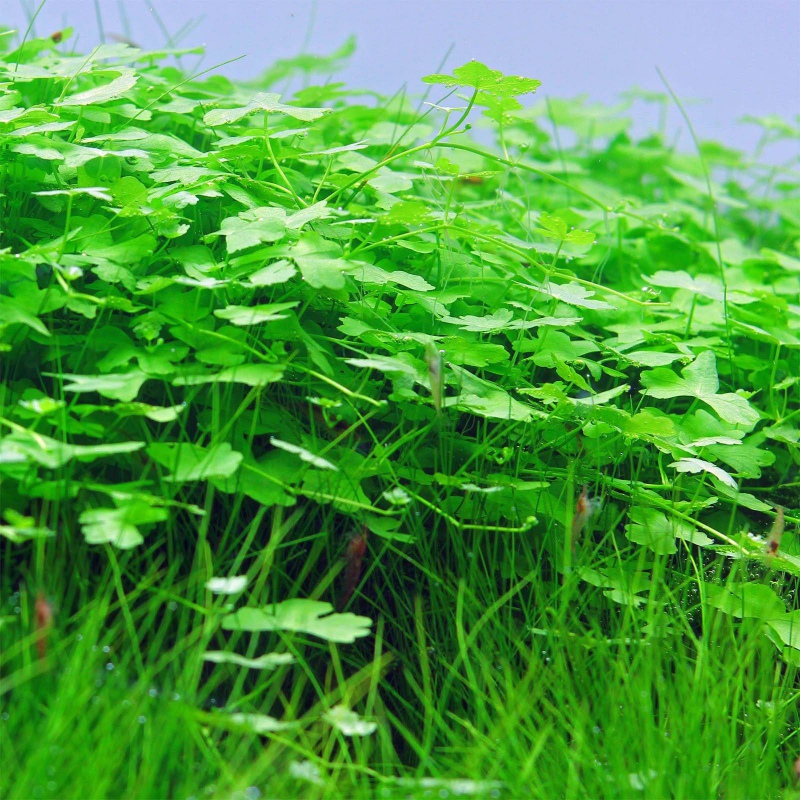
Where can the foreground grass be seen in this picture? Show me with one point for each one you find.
(526, 417)
(640, 706)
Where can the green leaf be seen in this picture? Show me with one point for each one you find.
(320, 261)
(248, 374)
(233, 585)
(574, 294)
(254, 315)
(266, 481)
(260, 723)
(787, 627)
(125, 81)
(705, 285)
(129, 193)
(695, 465)
(497, 321)
(263, 101)
(304, 616)
(279, 272)
(700, 381)
(479, 76)
(253, 226)
(743, 499)
(386, 364)
(649, 422)
(601, 398)
(269, 661)
(556, 228)
(190, 462)
(341, 489)
(12, 312)
(305, 455)
(348, 723)
(745, 600)
(122, 386)
(466, 352)
(119, 526)
(653, 529)
(308, 214)
(485, 399)
(30, 446)
(22, 528)
(368, 273)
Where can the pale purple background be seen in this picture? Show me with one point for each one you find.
(734, 57)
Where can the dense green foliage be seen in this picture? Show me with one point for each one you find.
(550, 386)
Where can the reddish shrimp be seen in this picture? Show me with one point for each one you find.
(774, 540)
(584, 508)
(354, 556)
(43, 613)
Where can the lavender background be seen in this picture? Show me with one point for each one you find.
(727, 58)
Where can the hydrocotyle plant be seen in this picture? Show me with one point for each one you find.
(555, 382)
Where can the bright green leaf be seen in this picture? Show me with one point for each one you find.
(263, 101)
(190, 462)
(304, 616)
(700, 381)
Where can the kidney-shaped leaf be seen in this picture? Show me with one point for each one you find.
(190, 462)
(254, 315)
(260, 723)
(119, 526)
(231, 585)
(263, 101)
(305, 455)
(787, 626)
(102, 94)
(122, 386)
(695, 465)
(479, 76)
(347, 722)
(320, 261)
(746, 600)
(267, 661)
(30, 446)
(700, 380)
(304, 616)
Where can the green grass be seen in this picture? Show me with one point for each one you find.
(553, 382)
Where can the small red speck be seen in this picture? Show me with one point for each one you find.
(56, 37)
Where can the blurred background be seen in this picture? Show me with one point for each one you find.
(725, 58)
